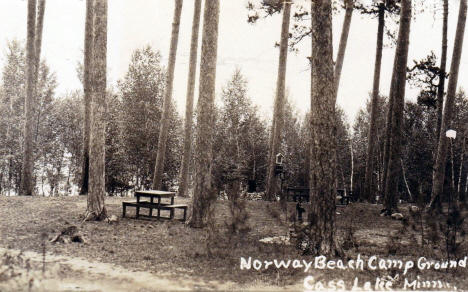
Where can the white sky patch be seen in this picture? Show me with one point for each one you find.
(135, 23)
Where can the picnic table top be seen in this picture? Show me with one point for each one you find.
(155, 193)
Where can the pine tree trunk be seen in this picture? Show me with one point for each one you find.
(278, 112)
(388, 134)
(166, 114)
(97, 190)
(443, 74)
(399, 79)
(184, 169)
(27, 179)
(323, 132)
(203, 195)
(372, 136)
(38, 45)
(388, 130)
(38, 40)
(343, 43)
(439, 172)
(87, 79)
(307, 153)
(461, 169)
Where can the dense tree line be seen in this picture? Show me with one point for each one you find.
(133, 108)
(241, 136)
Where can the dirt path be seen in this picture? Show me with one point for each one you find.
(97, 276)
(108, 277)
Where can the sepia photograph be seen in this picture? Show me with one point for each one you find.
(233, 145)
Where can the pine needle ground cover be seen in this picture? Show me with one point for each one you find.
(170, 252)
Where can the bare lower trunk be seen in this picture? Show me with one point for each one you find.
(272, 190)
(166, 114)
(439, 173)
(406, 181)
(184, 169)
(323, 129)
(96, 208)
(369, 189)
(87, 79)
(386, 151)
(27, 168)
(399, 78)
(452, 166)
(203, 195)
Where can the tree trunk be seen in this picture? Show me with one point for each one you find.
(166, 114)
(352, 167)
(439, 172)
(372, 136)
(443, 74)
(323, 131)
(452, 166)
(27, 179)
(307, 151)
(461, 170)
(203, 195)
(388, 134)
(97, 191)
(399, 78)
(278, 112)
(87, 79)
(38, 37)
(406, 181)
(388, 130)
(184, 169)
(343, 42)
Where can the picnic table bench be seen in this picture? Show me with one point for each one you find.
(152, 205)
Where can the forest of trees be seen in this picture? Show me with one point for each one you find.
(114, 140)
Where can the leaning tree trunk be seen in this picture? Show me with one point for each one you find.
(372, 136)
(343, 42)
(184, 168)
(399, 79)
(443, 74)
(27, 179)
(439, 172)
(87, 79)
(323, 132)
(97, 190)
(166, 114)
(278, 112)
(203, 195)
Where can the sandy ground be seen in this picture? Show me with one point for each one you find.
(97, 276)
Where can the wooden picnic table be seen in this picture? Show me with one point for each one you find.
(155, 194)
(151, 204)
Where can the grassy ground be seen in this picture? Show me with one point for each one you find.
(173, 251)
